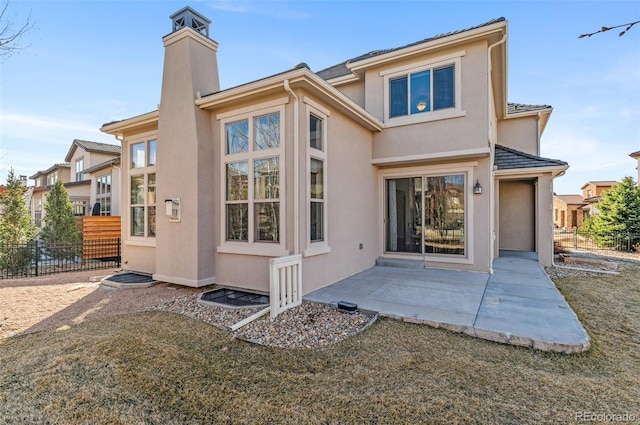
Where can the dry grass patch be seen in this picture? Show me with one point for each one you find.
(163, 368)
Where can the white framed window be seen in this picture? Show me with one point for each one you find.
(316, 146)
(80, 206)
(37, 211)
(79, 168)
(103, 194)
(426, 91)
(52, 178)
(142, 189)
(253, 180)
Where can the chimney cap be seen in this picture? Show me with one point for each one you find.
(187, 17)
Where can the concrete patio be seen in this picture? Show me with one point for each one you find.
(518, 304)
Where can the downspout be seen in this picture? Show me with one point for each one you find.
(492, 203)
(296, 168)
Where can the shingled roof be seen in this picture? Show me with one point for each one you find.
(341, 69)
(511, 159)
(571, 199)
(92, 147)
(518, 108)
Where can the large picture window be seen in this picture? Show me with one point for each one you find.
(252, 178)
(426, 214)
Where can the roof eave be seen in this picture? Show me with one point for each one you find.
(296, 76)
(118, 128)
(556, 171)
(438, 43)
(72, 149)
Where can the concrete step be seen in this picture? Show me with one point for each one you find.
(401, 263)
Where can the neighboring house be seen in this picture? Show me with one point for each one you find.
(636, 156)
(91, 174)
(409, 153)
(592, 194)
(99, 164)
(567, 211)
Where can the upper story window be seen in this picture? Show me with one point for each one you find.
(421, 92)
(79, 168)
(143, 154)
(52, 178)
(424, 91)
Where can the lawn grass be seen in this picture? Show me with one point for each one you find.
(163, 368)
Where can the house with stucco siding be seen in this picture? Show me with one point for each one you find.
(567, 211)
(409, 153)
(91, 176)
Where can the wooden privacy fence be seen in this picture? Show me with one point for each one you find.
(95, 228)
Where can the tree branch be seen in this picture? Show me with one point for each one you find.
(603, 29)
(9, 37)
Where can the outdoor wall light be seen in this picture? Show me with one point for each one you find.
(172, 209)
(477, 188)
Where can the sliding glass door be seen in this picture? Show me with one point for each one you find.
(425, 215)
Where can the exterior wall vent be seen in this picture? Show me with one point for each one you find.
(187, 17)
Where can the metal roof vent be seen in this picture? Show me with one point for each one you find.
(187, 17)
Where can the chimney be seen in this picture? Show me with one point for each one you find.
(189, 18)
(186, 151)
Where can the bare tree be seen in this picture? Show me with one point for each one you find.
(11, 34)
(604, 29)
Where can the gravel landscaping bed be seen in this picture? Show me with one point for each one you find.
(310, 325)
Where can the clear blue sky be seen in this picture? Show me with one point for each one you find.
(92, 62)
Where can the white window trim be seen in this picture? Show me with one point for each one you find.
(316, 247)
(76, 172)
(467, 169)
(105, 195)
(147, 241)
(252, 247)
(441, 114)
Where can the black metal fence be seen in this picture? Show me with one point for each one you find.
(38, 258)
(585, 240)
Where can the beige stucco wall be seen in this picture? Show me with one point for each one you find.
(520, 134)
(517, 215)
(544, 219)
(90, 159)
(354, 91)
(137, 258)
(470, 131)
(353, 210)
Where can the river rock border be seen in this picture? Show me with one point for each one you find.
(309, 326)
